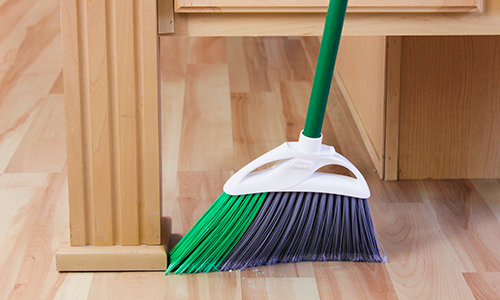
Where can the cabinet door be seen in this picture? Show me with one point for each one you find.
(321, 5)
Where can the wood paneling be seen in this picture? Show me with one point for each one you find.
(393, 95)
(111, 96)
(450, 98)
(366, 24)
(361, 75)
(321, 6)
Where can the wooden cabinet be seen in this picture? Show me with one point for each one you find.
(427, 107)
(364, 18)
(321, 6)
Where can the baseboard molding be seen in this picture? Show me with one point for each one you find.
(110, 258)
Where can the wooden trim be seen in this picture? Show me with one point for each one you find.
(320, 6)
(165, 16)
(392, 108)
(361, 76)
(376, 159)
(73, 89)
(112, 114)
(320, 9)
(110, 258)
(356, 24)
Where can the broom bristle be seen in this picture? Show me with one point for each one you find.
(278, 228)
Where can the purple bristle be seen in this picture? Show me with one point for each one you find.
(294, 227)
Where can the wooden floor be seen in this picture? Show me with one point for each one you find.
(224, 102)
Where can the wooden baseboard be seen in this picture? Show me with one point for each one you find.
(110, 258)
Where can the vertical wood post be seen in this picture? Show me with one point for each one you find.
(112, 116)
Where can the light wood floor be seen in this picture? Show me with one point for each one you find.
(224, 101)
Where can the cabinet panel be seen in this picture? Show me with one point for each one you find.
(321, 6)
(450, 98)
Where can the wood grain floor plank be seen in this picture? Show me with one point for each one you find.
(208, 50)
(420, 263)
(75, 286)
(311, 46)
(22, 49)
(31, 83)
(212, 286)
(31, 49)
(279, 288)
(128, 285)
(348, 280)
(206, 142)
(38, 275)
(11, 135)
(43, 147)
(290, 270)
(238, 71)
(175, 55)
(295, 98)
(196, 191)
(484, 285)
(258, 125)
(58, 86)
(470, 227)
(489, 189)
(257, 64)
(12, 12)
(22, 203)
(287, 60)
(171, 115)
(279, 68)
(397, 191)
(252, 288)
(297, 59)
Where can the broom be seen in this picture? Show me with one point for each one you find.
(288, 212)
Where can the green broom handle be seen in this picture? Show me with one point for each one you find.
(324, 69)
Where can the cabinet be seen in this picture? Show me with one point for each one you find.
(427, 106)
(321, 6)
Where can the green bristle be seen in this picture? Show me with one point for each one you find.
(211, 239)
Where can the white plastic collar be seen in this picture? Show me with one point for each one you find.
(296, 172)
